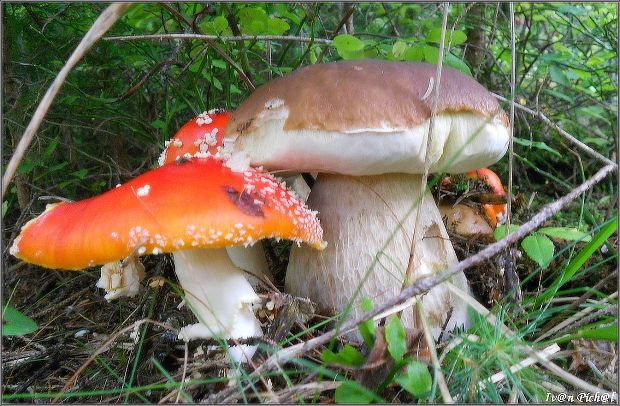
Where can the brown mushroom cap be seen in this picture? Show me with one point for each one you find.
(192, 204)
(368, 108)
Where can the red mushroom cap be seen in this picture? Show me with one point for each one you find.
(494, 212)
(191, 204)
(203, 134)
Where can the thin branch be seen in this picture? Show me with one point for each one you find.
(146, 77)
(342, 22)
(513, 81)
(429, 139)
(424, 285)
(578, 302)
(103, 23)
(161, 37)
(222, 52)
(588, 150)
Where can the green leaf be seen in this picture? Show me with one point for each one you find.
(220, 23)
(367, 328)
(569, 9)
(540, 248)
(277, 26)
(431, 54)
(15, 323)
(456, 63)
(346, 42)
(608, 333)
(536, 144)
(253, 20)
(256, 28)
(81, 174)
(219, 63)
(414, 54)
(580, 259)
(396, 338)
(51, 147)
(598, 141)
(5, 207)
(353, 392)
(26, 167)
(159, 124)
(500, 231)
(348, 356)
(565, 233)
(416, 380)
(398, 49)
(458, 37)
(558, 76)
(348, 55)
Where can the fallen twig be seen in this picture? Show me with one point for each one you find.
(425, 284)
(500, 376)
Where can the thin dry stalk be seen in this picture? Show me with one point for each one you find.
(545, 353)
(430, 343)
(513, 81)
(100, 27)
(184, 373)
(161, 37)
(571, 138)
(429, 140)
(104, 347)
(424, 285)
(575, 317)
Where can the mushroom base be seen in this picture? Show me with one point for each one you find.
(220, 296)
(358, 216)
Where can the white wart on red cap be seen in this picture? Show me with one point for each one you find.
(368, 117)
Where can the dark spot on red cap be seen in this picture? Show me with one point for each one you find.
(181, 160)
(244, 201)
(244, 126)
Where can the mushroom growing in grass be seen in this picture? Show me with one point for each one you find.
(495, 212)
(363, 126)
(193, 209)
(477, 219)
(202, 137)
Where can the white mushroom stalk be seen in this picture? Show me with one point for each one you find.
(220, 296)
(370, 249)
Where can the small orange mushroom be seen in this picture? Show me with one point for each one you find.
(495, 213)
(200, 137)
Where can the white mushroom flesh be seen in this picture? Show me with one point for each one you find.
(358, 216)
(220, 296)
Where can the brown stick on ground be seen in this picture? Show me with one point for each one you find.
(425, 284)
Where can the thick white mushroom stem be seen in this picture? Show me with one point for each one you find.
(358, 215)
(220, 296)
